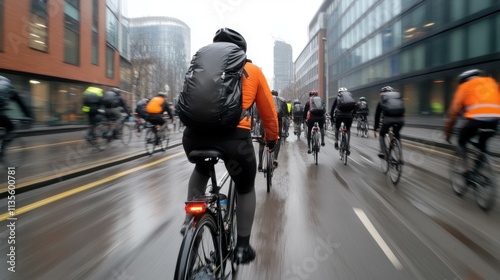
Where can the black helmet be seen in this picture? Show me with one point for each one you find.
(313, 92)
(116, 90)
(387, 89)
(465, 76)
(275, 93)
(228, 35)
(296, 101)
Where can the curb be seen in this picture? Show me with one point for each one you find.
(84, 170)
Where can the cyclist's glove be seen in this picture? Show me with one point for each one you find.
(271, 144)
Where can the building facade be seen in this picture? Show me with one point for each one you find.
(161, 51)
(283, 65)
(416, 46)
(53, 50)
(310, 70)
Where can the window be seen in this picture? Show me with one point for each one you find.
(497, 49)
(111, 28)
(456, 48)
(458, 9)
(479, 38)
(38, 25)
(95, 35)
(110, 62)
(72, 32)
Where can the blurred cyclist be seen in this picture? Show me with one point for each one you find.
(391, 107)
(156, 107)
(479, 98)
(114, 103)
(314, 111)
(280, 106)
(7, 94)
(342, 110)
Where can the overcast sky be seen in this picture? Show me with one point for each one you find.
(259, 21)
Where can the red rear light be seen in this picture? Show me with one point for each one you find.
(344, 129)
(195, 207)
(315, 128)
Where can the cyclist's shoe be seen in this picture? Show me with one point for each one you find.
(336, 145)
(323, 143)
(381, 155)
(348, 152)
(309, 150)
(275, 163)
(244, 255)
(259, 168)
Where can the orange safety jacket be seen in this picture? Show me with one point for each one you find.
(255, 88)
(478, 98)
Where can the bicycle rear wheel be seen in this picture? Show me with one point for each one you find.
(484, 184)
(15, 153)
(457, 180)
(394, 161)
(101, 137)
(150, 141)
(126, 133)
(232, 229)
(199, 255)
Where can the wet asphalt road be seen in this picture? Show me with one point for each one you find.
(325, 221)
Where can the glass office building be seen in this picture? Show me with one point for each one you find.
(283, 65)
(415, 46)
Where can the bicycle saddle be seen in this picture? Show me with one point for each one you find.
(201, 155)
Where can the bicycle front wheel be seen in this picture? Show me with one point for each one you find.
(101, 137)
(484, 184)
(164, 139)
(269, 170)
(199, 255)
(126, 134)
(395, 166)
(150, 141)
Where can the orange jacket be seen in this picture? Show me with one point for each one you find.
(478, 98)
(255, 88)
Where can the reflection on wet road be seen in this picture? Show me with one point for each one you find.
(325, 221)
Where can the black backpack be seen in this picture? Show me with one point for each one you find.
(298, 110)
(316, 106)
(392, 104)
(362, 106)
(110, 100)
(211, 97)
(140, 107)
(345, 102)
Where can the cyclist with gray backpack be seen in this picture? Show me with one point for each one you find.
(223, 122)
(343, 111)
(392, 108)
(314, 111)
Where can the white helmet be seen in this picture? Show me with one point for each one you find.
(342, 89)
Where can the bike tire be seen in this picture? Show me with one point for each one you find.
(394, 158)
(15, 154)
(232, 235)
(126, 132)
(164, 139)
(457, 180)
(138, 128)
(269, 171)
(102, 139)
(150, 141)
(344, 148)
(187, 267)
(485, 190)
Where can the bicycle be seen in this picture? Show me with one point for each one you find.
(103, 132)
(315, 138)
(140, 125)
(393, 157)
(268, 167)
(344, 146)
(362, 127)
(481, 178)
(297, 127)
(284, 129)
(210, 238)
(15, 152)
(157, 136)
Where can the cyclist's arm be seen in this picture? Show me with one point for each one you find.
(265, 104)
(167, 108)
(17, 98)
(306, 109)
(378, 112)
(123, 104)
